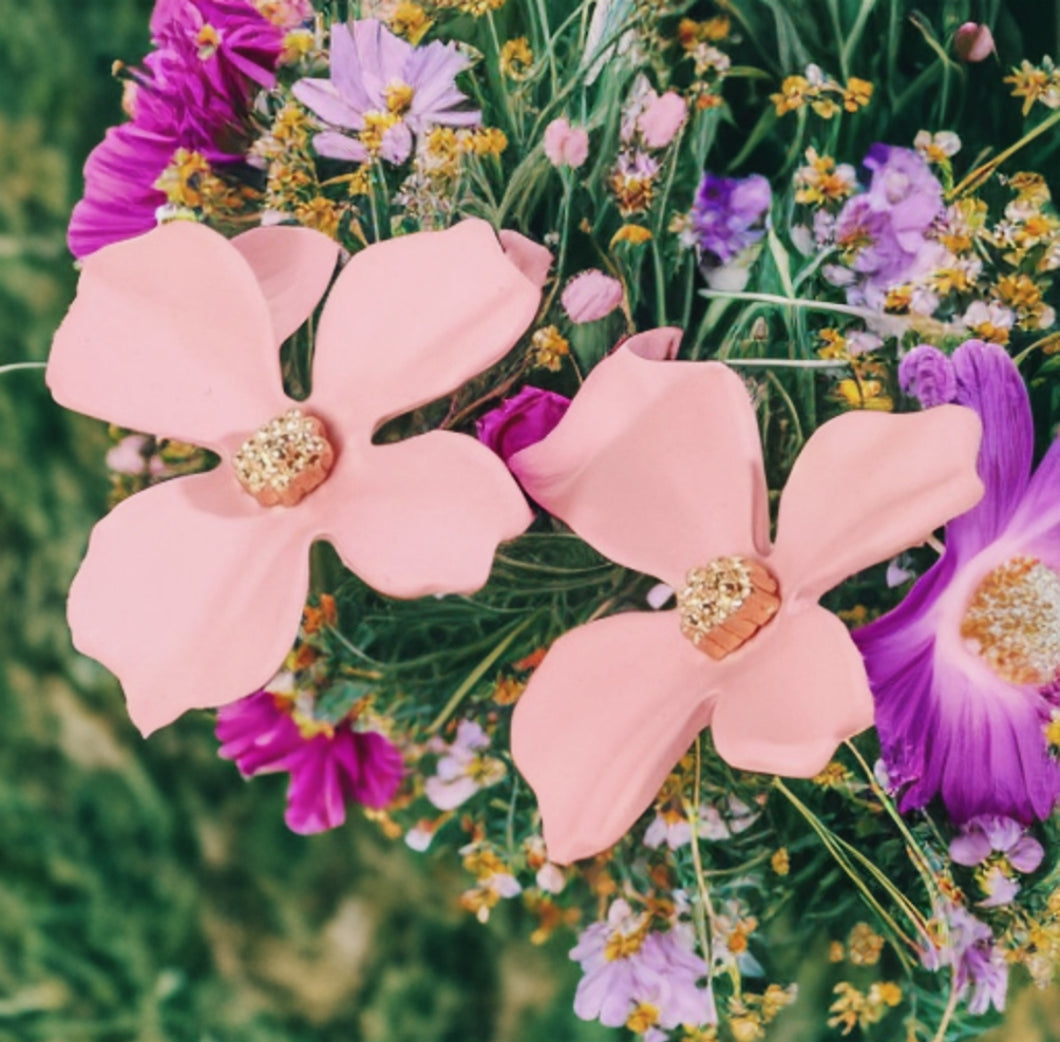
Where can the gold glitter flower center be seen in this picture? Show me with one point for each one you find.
(284, 460)
(723, 604)
(1013, 622)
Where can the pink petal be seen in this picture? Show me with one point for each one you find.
(412, 318)
(607, 714)
(657, 464)
(191, 594)
(869, 485)
(293, 266)
(170, 334)
(421, 516)
(791, 695)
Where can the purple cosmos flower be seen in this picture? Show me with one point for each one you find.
(521, 420)
(964, 670)
(983, 837)
(978, 963)
(883, 231)
(729, 215)
(383, 85)
(329, 765)
(625, 963)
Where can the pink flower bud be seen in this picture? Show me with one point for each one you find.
(662, 119)
(566, 145)
(590, 296)
(973, 42)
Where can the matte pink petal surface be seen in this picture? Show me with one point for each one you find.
(191, 594)
(170, 334)
(613, 706)
(293, 266)
(869, 485)
(657, 464)
(420, 516)
(413, 318)
(791, 695)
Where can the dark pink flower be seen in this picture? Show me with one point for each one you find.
(521, 420)
(330, 765)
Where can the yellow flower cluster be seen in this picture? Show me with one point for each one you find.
(516, 59)
(189, 183)
(751, 1014)
(1036, 83)
(826, 96)
(820, 182)
(853, 1008)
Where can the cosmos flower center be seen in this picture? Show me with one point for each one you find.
(621, 945)
(285, 459)
(399, 97)
(723, 604)
(209, 40)
(1013, 622)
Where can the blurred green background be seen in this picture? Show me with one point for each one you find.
(146, 893)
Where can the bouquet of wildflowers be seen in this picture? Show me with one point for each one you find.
(612, 443)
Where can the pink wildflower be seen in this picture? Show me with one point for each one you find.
(662, 118)
(566, 145)
(974, 42)
(591, 296)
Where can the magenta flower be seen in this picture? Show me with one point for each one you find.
(626, 963)
(522, 420)
(330, 765)
(222, 43)
(973, 42)
(384, 85)
(964, 670)
(192, 93)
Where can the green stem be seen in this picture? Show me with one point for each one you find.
(704, 915)
(475, 676)
(788, 363)
(947, 1015)
(15, 366)
(984, 171)
(546, 36)
(855, 34)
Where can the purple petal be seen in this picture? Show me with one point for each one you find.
(1036, 522)
(1026, 855)
(380, 769)
(315, 798)
(321, 97)
(333, 145)
(989, 382)
(970, 848)
(928, 375)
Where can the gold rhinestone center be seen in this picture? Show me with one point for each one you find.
(285, 459)
(1013, 622)
(723, 604)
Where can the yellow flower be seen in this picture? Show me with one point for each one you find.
(826, 108)
(864, 394)
(516, 58)
(320, 213)
(865, 945)
(180, 181)
(644, 1016)
(297, 45)
(794, 91)
(634, 234)
(836, 952)
(834, 776)
(781, 862)
(411, 21)
(548, 348)
(376, 124)
(857, 95)
(1036, 84)
(833, 344)
(507, 691)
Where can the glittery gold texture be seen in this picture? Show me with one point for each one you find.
(723, 604)
(284, 460)
(1013, 622)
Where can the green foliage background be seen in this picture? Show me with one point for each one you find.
(146, 894)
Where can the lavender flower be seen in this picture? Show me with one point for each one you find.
(884, 231)
(964, 670)
(463, 768)
(626, 963)
(386, 90)
(729, 215)
(330, 765)
(978, 964)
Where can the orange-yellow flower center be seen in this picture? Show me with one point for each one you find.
(284, 460)
(1013, 622)
(209, 40)
(399, 97)
(723, 604)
